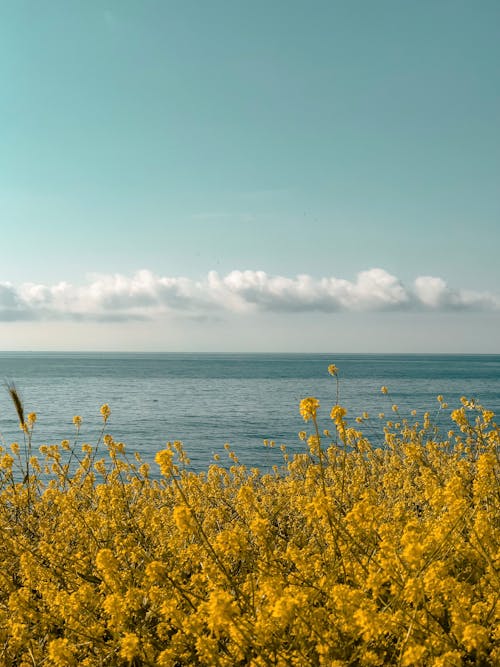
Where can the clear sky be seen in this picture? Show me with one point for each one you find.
(239, 176)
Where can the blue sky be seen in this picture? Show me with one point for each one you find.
(336, 164)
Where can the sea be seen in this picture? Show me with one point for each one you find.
(207, 400)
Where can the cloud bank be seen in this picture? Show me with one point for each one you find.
(145, 295)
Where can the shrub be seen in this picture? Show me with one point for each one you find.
(348, 554)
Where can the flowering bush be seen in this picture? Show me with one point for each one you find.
(349, 554)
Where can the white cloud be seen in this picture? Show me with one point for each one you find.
(434, 293)
(145, 295)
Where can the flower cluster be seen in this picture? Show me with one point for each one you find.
(349, 554)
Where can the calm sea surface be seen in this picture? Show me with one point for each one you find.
(207, 400)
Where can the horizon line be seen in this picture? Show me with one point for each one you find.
(249, 353)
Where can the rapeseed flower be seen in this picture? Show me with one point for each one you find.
(309, 408)
(105, 412)
(358, 553)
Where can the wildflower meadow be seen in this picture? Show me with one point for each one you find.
(354, 551)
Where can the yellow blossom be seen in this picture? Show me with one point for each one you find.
(380, 551)
(183, 518)
(314, 444)
(129, 646)
(413, 655)
(60, 653)
(309, 407)
(338, 413)
(221, 610)
(105, 412)
(165, 460)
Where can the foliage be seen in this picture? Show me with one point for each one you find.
(349, 554)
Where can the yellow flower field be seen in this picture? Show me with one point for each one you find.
(348, 554)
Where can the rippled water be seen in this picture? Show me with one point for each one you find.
(207, 400)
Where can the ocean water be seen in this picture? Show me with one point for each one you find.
(206, 400)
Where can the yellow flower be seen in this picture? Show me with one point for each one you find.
(6, 462)
(129, 646)
(77, 421)
(384, 389)
(156, 570)
(474, 636)
(60, 653)
(165, 460)
(413, 655)
(183, 518)
(105, 412)
(221, 611)
(309, 408)
(365, 549)
(35, 464)
(105, 561)
(488, 416)
(337, 413)
(313, 442)
(332, 369)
